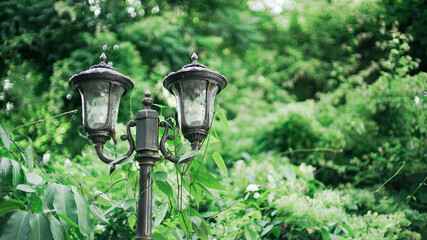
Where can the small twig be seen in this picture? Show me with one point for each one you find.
(225, 209)
(419, 186)
(292, 151)
(204, 154)
(42, 120)
(203, 157)
(80, 185)
(394, 175)
(22, 152)
(99, 194)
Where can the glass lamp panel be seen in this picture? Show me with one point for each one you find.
(211, 100)
(116, 103)
(194, 102)
(97, 97)
(177, 94)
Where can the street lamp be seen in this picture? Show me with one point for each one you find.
(101, 88)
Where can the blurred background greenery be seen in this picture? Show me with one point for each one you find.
(333, 89)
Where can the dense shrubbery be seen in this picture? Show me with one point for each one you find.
(326, 105)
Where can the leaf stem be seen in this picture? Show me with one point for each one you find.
(45, 119)
(394, 175)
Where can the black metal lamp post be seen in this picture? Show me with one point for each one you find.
(101, 88)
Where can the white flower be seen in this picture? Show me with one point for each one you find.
(307, 171)
(417, 100)
(7, 84)
(257, 195)
(67, 162)
(100, 227)
(46, 158)
(240, 165)
(329, 197)
(9, 106)
(252, 188)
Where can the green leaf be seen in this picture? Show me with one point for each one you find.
(29, 158)
(128, 160)
(9, 206)
(129, 190)
(208, 181)
(290, 174)
(37, 203)
(350, 231)
(197, 193)
(114, 206)
(189, 154)
(117, 160)
(223, 119)
(165, 187)
(68, 220)
(183, 221)
(325, 234)
(56, 229)
(159, 176)
(102, 199)
(18, 176)
(39, 228)
(64, 204)
(34, 178)
(15, 225)
(158, 218)
(250, 234)
(199, 225)
(25, 188)
(176, 235)
(220, 163)
(129, 203)
(158, 236)
(196, 220)
(4, 136)
(97, 212)
(83, 214)
(6, 176)
(48, 195)
(267, 230)
(132, 220)
(160, 106)
(202, 230)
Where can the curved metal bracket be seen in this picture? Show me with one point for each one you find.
(166, 137)
(128, 136)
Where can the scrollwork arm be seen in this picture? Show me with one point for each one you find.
(100, 147)
(128, 136)
(166, 137)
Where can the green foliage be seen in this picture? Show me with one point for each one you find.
(320, 134)
(44, 203)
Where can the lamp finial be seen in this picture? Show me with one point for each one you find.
(147, 101)
(103, 57)
(194, 57)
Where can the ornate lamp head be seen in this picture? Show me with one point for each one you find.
(101, 88)
(195, 88)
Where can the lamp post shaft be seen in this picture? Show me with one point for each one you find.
(143, 227)
(147, 146)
